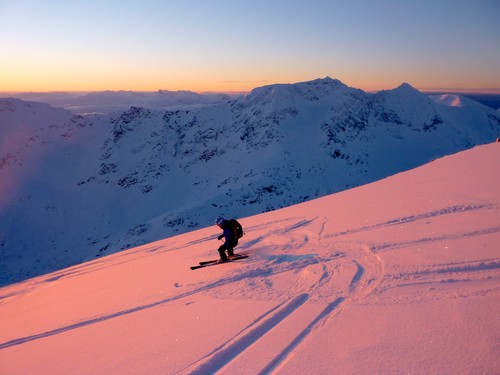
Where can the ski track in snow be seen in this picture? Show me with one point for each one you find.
(337, 276)
(325, 274)
(280, 332)
(426, 240)
(426, 215)
(343, 273)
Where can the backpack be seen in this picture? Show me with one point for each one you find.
(238, 229)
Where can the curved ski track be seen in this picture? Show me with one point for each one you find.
(323, 283)
(335, 274)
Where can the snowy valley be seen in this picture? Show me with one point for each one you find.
(400, 276)
(79, 187)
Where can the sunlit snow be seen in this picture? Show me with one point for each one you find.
(398, 276)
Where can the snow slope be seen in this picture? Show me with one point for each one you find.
(398, 276)
(80, 187)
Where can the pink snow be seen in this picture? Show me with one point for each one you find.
(451, 100)
(398, 276)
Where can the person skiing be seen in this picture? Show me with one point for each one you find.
(230, 238)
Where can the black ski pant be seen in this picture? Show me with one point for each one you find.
(227, 246)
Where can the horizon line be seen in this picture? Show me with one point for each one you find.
(484, 91)
(451, 90)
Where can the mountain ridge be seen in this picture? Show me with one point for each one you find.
(154, 173)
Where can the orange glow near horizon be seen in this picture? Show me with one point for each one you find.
(115, 75)
(69, 82)
(114, 81)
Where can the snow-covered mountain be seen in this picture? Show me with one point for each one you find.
(400, 276)
(80, 187)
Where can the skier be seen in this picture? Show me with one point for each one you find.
(230, 238)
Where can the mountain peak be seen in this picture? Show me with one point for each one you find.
(406, 87)
(326, 81)
(312, 90)
(405, 90)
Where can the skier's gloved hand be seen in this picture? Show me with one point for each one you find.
(220, 237)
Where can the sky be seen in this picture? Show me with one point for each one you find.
(233, 45)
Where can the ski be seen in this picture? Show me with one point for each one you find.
(235, 256)
(205, 262)
(209, 263)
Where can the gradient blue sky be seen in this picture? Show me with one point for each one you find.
(232, 45)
